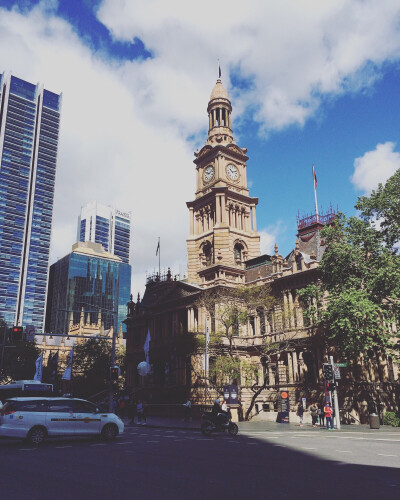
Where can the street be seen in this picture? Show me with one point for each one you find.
(152, 463)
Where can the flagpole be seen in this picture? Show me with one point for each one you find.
(159, 258)
(315, 193)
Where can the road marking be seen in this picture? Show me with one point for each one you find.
(127, 442)
(343, 451)
(27, 449)
(60, 447)
(98, 444)
(152, 441)
(383, 455)
(304, 448)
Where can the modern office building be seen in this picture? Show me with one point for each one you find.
(29, 129)
(108, 226)
(89, 278)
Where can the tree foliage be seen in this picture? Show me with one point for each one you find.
(91, 366)
(360, 276)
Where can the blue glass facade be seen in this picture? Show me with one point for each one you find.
(29, 128)
(122, 238)
(102, 231)
(105, 225)
(96, 284)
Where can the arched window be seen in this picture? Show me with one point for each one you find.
(207, 250)
(238, 253)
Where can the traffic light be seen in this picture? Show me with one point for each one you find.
(17, 333)
(331, 386)
(114, 373)
(328, 371)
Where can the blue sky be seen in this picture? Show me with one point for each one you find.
(310, 82)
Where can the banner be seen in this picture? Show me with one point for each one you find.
(68, 371)
(39, 368)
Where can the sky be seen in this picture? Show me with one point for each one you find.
(310, 82)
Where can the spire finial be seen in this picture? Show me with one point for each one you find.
(219, 70)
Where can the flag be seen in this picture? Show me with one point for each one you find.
(68, 370)
(314, 177)
(158, 247)
(146, 348)
(39, 368)
(219, 70)
(52, 365)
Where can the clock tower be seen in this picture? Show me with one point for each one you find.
(223, 230)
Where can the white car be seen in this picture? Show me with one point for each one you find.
(36, 419)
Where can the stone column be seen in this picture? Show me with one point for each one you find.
(291, 310)
(285, 310)
(301, 366)
(290, 366)
(295, 367)
(191, 222)
(218, 209)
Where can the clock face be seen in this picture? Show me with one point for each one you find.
(233, 172)
(208, 173)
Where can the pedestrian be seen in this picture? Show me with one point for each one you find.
(141, 412)
(188, 410)
(328, 416)
(314, 414)
(321, 414)
(300, 413)
(131, 410)
(121, 408)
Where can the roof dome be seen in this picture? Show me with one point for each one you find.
(219, 91)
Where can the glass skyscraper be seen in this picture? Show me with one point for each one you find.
(108, 226)
(29, 129)
(88, 278)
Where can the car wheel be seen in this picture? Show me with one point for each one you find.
(233, 429)
(109, 432)
(206, 428)
(37, 435)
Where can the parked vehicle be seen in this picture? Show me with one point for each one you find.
(25, 388)
(209, 424)
(35, 419)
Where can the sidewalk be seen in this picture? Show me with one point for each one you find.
(256, 426)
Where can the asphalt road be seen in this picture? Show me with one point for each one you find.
(148, 463)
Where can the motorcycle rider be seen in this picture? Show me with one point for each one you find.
(218, 415)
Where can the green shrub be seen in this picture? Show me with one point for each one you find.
(392, 419)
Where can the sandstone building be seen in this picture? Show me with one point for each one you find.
(223, 249)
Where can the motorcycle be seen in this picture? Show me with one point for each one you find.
(210, 425)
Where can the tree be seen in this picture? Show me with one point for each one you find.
(356, 304)
(18, 358)
(229, 309)
(91, 366)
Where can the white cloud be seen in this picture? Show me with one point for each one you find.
(124, 127)
(375, 167)
(269, 236)
(294, 53)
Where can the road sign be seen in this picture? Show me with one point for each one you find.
(340, 365)
(336, 372)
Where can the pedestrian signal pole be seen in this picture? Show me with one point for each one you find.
(335, 399)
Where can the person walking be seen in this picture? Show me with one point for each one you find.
(328, 416)
(321, 414)
(140, 412)
(314, 414)
(300, 413)
(188, 411)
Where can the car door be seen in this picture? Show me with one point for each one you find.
(88, 419)
(60, 418)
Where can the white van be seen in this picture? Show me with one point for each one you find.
(37, 418)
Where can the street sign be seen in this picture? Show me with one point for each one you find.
(336, 372)
(340, 365)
